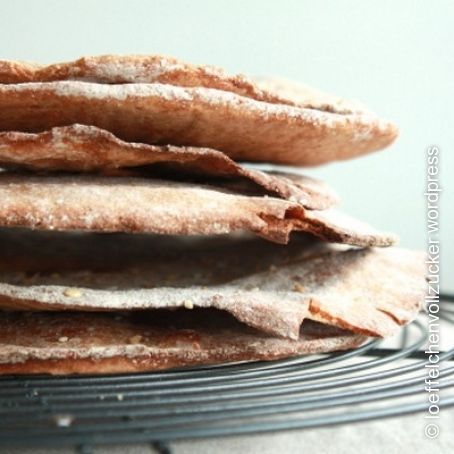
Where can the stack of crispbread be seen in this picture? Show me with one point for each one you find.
(133, 237)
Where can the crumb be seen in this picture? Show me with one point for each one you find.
(64, 420)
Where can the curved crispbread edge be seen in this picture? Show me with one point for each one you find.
(139, 205)
(85, 148)
(105, 343)
(241, 127)
(118, 69)
(366, 291)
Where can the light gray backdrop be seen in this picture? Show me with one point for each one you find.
(395, 56)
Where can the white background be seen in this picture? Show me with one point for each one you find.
(395, 56)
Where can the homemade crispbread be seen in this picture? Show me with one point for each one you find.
(270, 287)
(120, 69)
(141, 205)
(126, 225)
(241, 127)
(81, 148)
(76, 343)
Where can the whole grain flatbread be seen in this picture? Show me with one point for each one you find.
(87, 148)
(267, 286)
(69, 343)
(140, 205)
(120, 69)
(241, 127)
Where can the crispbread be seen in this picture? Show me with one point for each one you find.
(69, 343)
(241, 127)
(141, 205)
(267, 286)
(119, 69)
(82, 148)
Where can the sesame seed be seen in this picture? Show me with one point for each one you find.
(298, 288)
(72, 293)
(135, 339)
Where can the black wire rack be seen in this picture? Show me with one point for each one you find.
(370, 382)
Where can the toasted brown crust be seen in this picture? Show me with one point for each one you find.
(108, 204)
(270, 287)
(16, 72)
(118, 69)
(70, 343)
(87, 148)
(242, 128)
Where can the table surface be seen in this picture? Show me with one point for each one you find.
(394, 435)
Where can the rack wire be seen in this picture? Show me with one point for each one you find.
(370, 382)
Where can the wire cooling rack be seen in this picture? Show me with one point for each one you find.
(367, 383)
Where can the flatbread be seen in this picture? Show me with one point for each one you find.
(241, 127)
(140, 205)
(118, 69)
(84, 148)
(69, 343)
(272, 288)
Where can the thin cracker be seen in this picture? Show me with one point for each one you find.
(120, 69)
(87, 148)
(272, 288)
(140, 205)
(241, 127)
(105, 343)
